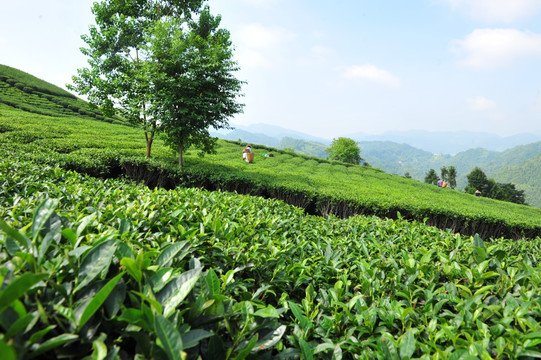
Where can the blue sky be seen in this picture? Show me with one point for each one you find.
(331, 69)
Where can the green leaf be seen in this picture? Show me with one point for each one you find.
(171, 252)
(193, 337)
(15, 234)
(245, 351)
(70, 235)
(170, 339)
(272, 338)
(42, 214)
(268, 312)
(6, 351)
(407, 344)
(161, 278)
(177, 289)
(18, 288)
(531, 354)
(132, 268)
(52, 344)
(96, 261)
(20, 324)
(296, 310)
(306, 350)
(484, 289)
(213, 283)
(98, 300)
(479, 251)
(387, 348)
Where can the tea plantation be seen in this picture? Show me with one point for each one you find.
(95, 265)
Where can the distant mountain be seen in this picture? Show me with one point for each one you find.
(248, 137)
(450, 142)
(280, 132)
(311, 148)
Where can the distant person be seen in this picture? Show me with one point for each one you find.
(246, 151)
(440, 182)
(444, 184)
(477, 193)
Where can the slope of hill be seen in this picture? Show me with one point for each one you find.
(24, 91)
(319, 186)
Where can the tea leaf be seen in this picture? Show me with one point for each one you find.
(245, 351)
(52, 343)
(193, 337)
(18, 288)
(306, 350)
(177, 289)
(42, 214)
(407, 344)
(170, 339)
(6, 351)
(272, 338)
(95, 262)
(171, 251)
(98, 300)
(268, 312)
(15, 234)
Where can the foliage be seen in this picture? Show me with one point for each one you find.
(108, 269)
(119, 78)
(39, 97)
(490, 188)
(431, 177)
(345, 150)
(316, 185)
(450, 176)
(193, 77)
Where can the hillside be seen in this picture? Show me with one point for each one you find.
(316, 185)
(402, 158)
(107, 255)
(26, 92)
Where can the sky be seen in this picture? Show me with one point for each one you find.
(334, 68)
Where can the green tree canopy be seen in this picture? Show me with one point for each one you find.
(477, 180)
(126, 71)
(431, 177)
(192, 66)
(345, 150)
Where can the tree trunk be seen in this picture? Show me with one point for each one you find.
(180, 150)
(150, 139)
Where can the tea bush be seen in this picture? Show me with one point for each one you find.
(110, 269)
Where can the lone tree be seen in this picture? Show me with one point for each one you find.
(345, 150)
(192, 66)
(126, 71)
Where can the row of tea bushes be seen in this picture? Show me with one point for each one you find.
(109, 269)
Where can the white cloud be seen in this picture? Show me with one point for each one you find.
(492, 48)
(372, 73)
(496, 10)
(481, 103)
(261, 46)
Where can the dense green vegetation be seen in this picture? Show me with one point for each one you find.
(26, 92)
(107, 268)
(110, 269)
(319, 186)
